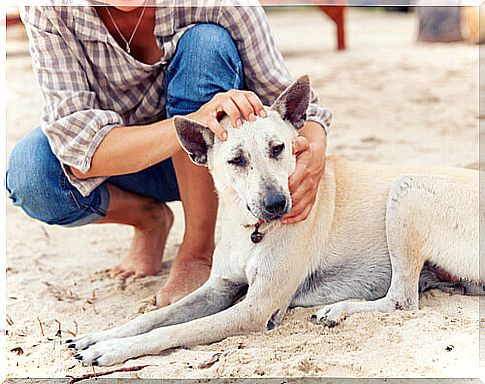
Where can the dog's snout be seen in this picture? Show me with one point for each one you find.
(275, 205)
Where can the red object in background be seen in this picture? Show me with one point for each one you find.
(12, 16)
(334, 12)
(12, 20)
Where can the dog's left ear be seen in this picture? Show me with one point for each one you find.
(293, 103)
(194, 138)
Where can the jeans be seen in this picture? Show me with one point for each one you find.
(206, 62)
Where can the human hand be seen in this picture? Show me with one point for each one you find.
(233, 103)
(304, 181)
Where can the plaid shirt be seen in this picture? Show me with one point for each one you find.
(91, 85)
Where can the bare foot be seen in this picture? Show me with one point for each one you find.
(188, 272)
(146, 251)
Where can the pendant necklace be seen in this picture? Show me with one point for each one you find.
(127, 42)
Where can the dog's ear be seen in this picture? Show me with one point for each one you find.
(293, 103)
(194, 138)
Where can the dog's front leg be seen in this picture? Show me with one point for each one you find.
(267, 294)
(214, 296)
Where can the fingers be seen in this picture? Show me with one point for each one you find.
(298, 176)
(235, 104)
(232, 111)
(300, 210)
(256, 104)
(217, 128)
(244, 106)
(302, 215)
(303, 182)
(300, 144)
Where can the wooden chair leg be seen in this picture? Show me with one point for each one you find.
(12, 20)
(336, 14)
(341, 31)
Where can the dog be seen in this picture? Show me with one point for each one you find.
(378, 234)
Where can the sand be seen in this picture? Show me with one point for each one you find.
(395, 101)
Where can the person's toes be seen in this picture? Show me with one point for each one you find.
(163, 298)
(115, 271)
(126, 274)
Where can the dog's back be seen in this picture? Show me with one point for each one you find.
(455, 218)
(351, 213)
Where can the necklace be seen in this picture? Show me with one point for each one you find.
(127, 42)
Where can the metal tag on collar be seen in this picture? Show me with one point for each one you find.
(256, 236)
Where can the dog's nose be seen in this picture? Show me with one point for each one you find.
(275, 205)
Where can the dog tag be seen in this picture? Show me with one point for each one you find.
(256, 236)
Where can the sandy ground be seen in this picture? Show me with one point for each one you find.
(395, 101)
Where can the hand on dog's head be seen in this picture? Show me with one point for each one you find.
(292, 104)
(256, 159)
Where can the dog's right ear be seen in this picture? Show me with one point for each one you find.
(293, 103)
(194, 138)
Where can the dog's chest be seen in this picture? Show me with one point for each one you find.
(273, 250)
(249, 256)
(237, 257)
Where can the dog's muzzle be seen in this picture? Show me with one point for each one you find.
(275, 206)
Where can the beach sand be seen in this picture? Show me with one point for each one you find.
(394, 101)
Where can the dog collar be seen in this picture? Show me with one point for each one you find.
(256, 236)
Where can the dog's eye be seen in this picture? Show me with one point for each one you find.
(276, 150)
(238, 161)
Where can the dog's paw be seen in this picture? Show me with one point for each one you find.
(332, 314)
(105, 353)
(84, 341)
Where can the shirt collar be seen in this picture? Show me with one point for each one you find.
(164, 18)
(88, 25)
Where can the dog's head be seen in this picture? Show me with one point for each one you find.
(256, 160)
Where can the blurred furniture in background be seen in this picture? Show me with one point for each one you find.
(334, 12)
(473, 24)
(451, 23)
(439, 24)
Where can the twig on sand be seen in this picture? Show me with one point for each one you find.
(41, 327)
(58, 333)
(9, 320)
(92, 300)
(61, 294)
(98, 374)
(75, 331)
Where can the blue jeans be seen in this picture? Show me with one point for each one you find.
(206, 62)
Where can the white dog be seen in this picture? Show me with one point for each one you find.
(371, 234)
